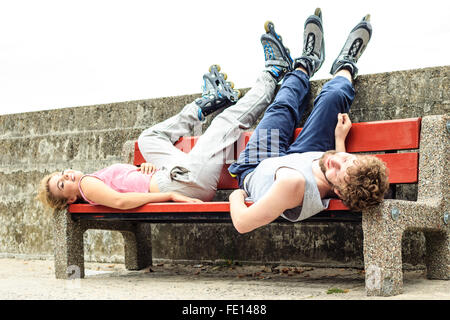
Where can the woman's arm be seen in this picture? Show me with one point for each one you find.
(340, 133)
(97, 191)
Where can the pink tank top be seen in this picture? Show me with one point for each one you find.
(121, 178)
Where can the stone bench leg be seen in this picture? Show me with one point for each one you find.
(68, 243)
(138, 246)
(382, 254)
(383, 227)
(434, 183)
(137, 240)
(437, 255)
(69, 250)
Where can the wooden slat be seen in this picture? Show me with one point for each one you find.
(186, 144)
(226, 181)
(138, 157)
(403, 167)
(176, 207)
(156, 207)
(386, 135)
(336, 205)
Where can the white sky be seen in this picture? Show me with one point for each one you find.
(57, 54)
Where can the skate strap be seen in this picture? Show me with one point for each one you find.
(280, 63)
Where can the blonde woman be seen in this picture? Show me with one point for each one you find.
(169, 173)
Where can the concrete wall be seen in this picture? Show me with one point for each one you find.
(91, 137)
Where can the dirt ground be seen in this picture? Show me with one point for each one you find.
(35, 279)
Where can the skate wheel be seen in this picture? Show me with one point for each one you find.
(367, 18)
(224, 75)
(214, 66)
(239, 93)
(318, 12)
(268, 26)
(231, 84)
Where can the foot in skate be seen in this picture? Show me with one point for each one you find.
(313, 53)
(277, 56)
(217, 92)
(353, 48)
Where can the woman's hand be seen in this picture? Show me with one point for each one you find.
(147, 168)
(343, 126)
(176, 197)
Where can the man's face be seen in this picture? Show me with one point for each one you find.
(334, 166)
(65, 184)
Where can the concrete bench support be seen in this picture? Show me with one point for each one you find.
(69, 251)
(384, 225)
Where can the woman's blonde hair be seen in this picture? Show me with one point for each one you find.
(46, 197)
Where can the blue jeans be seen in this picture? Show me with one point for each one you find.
(274, 134)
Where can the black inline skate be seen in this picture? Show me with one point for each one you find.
(353, 48)
(313, 53)
(217, 93)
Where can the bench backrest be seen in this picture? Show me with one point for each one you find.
(383, 138)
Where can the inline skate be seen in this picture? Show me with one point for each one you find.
(217, 93)
(277, 56)
(313, 53)
(353, 48)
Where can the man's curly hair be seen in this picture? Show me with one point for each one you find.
(366, 183)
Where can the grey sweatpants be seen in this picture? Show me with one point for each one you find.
(196, 173)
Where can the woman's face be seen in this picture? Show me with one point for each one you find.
(65, 184)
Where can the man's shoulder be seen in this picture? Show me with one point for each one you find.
(287, 173)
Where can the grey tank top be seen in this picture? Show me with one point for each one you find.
(259, 181)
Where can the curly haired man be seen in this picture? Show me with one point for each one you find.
(297, 180)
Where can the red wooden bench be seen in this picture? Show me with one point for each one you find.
(416, 152)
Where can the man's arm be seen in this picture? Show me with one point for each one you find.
(340, 133)
(285, 193)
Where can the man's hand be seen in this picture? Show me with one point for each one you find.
(343, 126)
(176, 197)
(340, 133)
(147, 168)
(238, 195)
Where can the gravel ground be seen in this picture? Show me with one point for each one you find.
(34, 279)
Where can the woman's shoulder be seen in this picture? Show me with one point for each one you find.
(88, 179)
